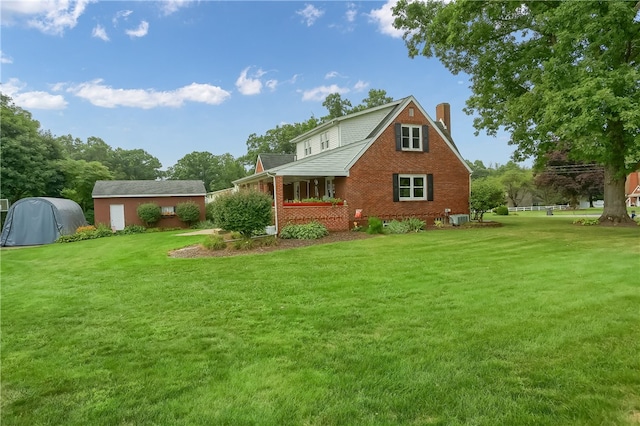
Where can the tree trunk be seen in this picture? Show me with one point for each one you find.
(615, 209)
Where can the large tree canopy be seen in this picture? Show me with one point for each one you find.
(216, 171)
(553, 74)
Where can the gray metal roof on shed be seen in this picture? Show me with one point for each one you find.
(269, 161)
(147, 188)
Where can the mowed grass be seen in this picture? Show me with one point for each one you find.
(533, 323)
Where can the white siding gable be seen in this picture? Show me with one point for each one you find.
(314, 142)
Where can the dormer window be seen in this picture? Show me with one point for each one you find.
(324, 141)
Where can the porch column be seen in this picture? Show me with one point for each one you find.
(278, 190)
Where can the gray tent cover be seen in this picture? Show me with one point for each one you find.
(40, 220)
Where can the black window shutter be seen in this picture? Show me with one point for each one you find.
(398, 137)
(425, 138)
(396, 187)
(429, 187)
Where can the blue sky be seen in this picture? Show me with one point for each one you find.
(179, 76)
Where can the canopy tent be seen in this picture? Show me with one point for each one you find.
(40, 220)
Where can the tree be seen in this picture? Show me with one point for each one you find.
(194, 166)
(547, 72)
(80, 178)
(336, 106)
(486, 194)
(569, 178)
(517, 182)
(227, 170)
(135, 164)
(479, 170)
(28, 157)
(376, 98)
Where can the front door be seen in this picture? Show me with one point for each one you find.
(116, 213)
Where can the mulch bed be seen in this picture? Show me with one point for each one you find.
(197, 250)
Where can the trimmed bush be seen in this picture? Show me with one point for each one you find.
(188, 212)
(247, 212)
(309, 231)
(375, 226)
(501, 211)
(149, 213)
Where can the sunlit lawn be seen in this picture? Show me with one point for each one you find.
(533, 323)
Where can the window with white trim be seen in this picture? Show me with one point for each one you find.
(329, 188)
(412, 187)
(307, 147)
(168, 211)
(324, 141)
(411, 138)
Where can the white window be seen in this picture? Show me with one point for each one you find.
(411, 138)
(412, 187)
(324, 141)
(296, 191)
(307, 147)
(168, 211)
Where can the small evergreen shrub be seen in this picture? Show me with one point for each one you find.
(246, 212)
(149, 213)
(188, 212)
(214, 242)
(397, 227)
(375, 226)
(309, 231)
(501, 211)
(132, 229)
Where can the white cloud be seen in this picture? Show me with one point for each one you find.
(321, 92)
(170, 6)
(121, 14)
(141, 31)
(271, 84)
(250, 85)
(310, 14)
(31, 99)
(105, 96)
(100, 33)
(50, 17)
(351, 13)
(332, 74)
(4, 59)
(360, 86)
(384, 18)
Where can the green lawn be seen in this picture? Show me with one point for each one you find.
(533, 323)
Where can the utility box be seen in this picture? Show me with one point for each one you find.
(458, 219)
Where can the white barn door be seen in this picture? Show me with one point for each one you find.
(116, 213)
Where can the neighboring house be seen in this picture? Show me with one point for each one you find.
(632, 189)
(391, 162)
(115, 202)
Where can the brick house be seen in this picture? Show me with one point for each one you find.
(632, 189)
(115, 202)
(392, 162)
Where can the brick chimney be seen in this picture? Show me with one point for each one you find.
(443, 115)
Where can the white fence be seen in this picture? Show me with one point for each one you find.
(538, 208)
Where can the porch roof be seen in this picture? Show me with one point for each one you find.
(333, 162)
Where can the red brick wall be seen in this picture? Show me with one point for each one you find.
(370, 184)
(335, 218)
(102, 210)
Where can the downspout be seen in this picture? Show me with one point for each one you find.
(275, 199)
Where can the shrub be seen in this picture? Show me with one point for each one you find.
(414, 224)
(132, 229)
(243, 211)
(149, 213)
(86, 233)
(438, 223)
(88, 228)
(501, 211)
(89, 216)
(397, 227)
(204, 224)
(309, 231)
(375, 226)
(214, 242)
(209, 212)
(103, 231)
(188, 212)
